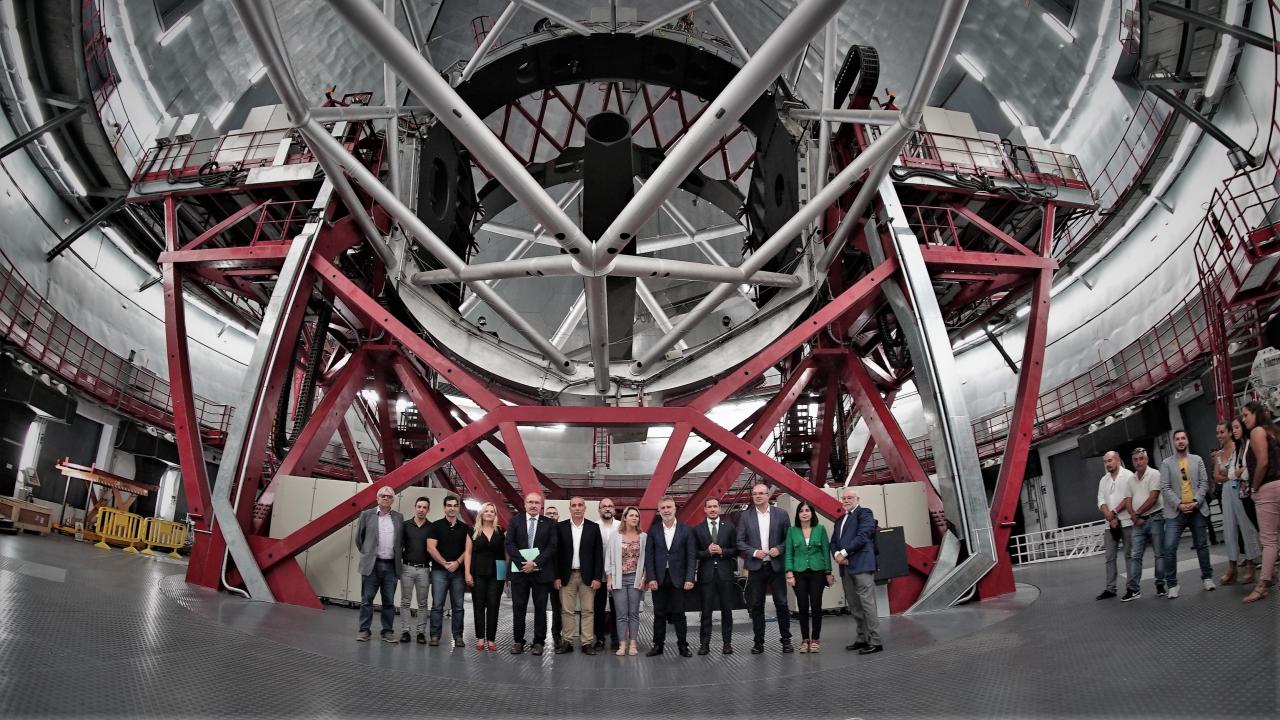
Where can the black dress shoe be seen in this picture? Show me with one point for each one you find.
(600, 644)
(654, 651)
(517, 648)
(788, 648)
(686, 652)
(728, 649)
(422, 639)
(588, 649)
(757, 649)
(704, 649)
(536, 649)
(563, 648)
(404, 636)
(871, 650)
(856, 646)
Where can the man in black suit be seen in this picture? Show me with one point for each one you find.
(579, 571)
(670, 556)
(762, 533)
(717, 564)
(531, 531)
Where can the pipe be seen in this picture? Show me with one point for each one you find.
(598, 329)
(732, 36)
(57, 121)
(722, 113)
(828, 103)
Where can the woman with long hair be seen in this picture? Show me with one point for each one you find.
(488, 554)
(1263, 465)
(1241, 536)
(807, 559)
(624, 575)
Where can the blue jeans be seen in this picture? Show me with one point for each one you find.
(383, 578)
(441, 580)
(1199, 539)
(1150, 531)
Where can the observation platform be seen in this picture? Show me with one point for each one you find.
(138, 641)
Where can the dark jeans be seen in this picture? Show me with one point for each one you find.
(442, 580)
(521, 587)
(809, 587)
(604, 621)
(485, 597)
(717, 591)
(1199, 540)
(756, 582)
(383, 578)
(668, 605)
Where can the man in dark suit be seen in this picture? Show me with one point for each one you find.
(579, 573)
(716, 540)
(531, 531)
(379, 534)
(762, 532)
(670, 557)
(853, 547)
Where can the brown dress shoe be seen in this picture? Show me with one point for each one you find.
(517, 648)
(536, 649)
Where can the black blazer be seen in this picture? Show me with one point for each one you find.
(676, 565)
(716, 567)
(590, 552)
(544, 540)
(487, 553)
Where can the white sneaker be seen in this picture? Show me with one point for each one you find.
(1173, 592)
(1208, 584)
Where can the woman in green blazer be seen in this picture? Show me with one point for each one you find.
(808, 564)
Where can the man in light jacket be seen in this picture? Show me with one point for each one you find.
(378, 538)
(1184, 485)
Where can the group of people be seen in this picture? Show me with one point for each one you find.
(579, 566)
(1152, 507)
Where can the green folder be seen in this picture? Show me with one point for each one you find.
(529, 553)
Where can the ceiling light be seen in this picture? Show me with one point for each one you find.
(971, 67)
(220, 116)
(1058, 28)
(1010, 113)
(175, 30)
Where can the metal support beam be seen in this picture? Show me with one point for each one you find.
(828, 103)
(508, 14)
(55, 122)
(1206, 21)
(622, 266)
(669, 16)
(556, 15)
(729, 34)
(107, 211)
(664, 473)
(856, 117)
(1240, 158)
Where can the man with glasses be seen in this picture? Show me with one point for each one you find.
(762, 531)
(1113, 502)
(378, 537)
(1184, 484)
(1148, 525)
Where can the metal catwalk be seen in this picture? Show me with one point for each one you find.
(88, 633)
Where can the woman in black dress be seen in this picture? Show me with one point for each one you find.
(488, 552)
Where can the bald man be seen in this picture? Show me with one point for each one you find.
(534, 575)
(1115, 494)
(853, 547)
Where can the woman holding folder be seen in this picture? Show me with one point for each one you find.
(486, 569)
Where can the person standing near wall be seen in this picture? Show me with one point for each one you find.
(1114, 493)
(807, 559)
(416, 576)
(378, 539)
(1263, 464)
(1148, 525)
(485, 568)
(624, 575)
(1240, 534)
(1184, 485)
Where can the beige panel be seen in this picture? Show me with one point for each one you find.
(907, 507)
(292, 507)
(331, 561)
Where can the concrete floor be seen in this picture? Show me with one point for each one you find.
(93, 633)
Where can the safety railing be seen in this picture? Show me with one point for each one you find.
(1058, 544)
(157, 533)
(1176, 343)
(104, 82)
(955, 154)
(51, 340)
(119, 527)
(280, 221)
(208, 160)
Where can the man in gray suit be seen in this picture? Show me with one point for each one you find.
(378, 538)
(1184, 484)
(762, 532)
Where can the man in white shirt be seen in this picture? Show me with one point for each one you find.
(1148, 525)
(762, 533)
(1114, 493)
(604, 618)
(580, 571)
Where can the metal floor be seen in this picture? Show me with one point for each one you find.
(90, 633)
